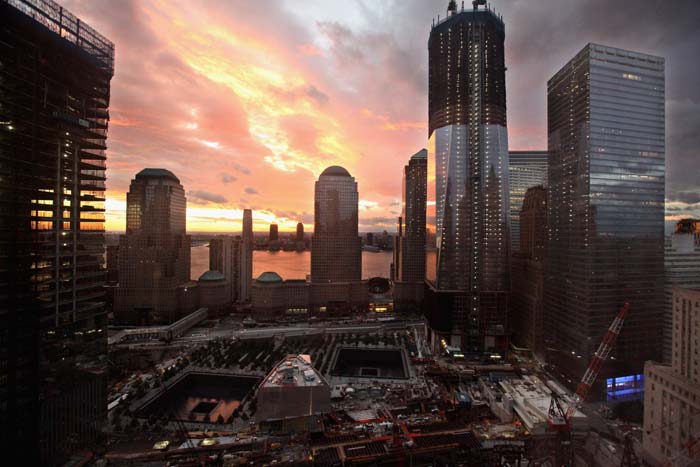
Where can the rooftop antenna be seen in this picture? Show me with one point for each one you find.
(462, 5)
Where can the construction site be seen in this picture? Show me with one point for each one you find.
(375, 398)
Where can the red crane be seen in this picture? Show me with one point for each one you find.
(559, 420)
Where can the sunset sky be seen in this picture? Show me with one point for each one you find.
(248, 101)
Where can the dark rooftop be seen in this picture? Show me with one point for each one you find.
(157, 173)
(336, 171)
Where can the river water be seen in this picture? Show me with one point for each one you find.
(291, 264)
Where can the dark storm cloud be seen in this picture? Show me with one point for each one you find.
(251, 191)
(689, 197)
(541, 36)
(204, 197)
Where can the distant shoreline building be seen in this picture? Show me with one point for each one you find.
(605, 205)
(274, 234)
(525, 169)
(468, 269)
(154, 253)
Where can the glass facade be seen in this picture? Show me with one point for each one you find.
(605, 241)
(411, 239)
(468, 184)
(55, 75)
(525, 170)
(336, 251)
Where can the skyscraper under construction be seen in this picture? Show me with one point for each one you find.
(467, 269)
(55, 74)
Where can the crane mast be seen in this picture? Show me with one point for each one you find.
(596, 364)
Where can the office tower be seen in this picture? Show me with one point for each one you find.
(225, 257)
(245, 275)
(369, 239)
(605, 243)
(396, 256)
(525, 170)
(409, 246)
(274, 233)
(469, 268)
(672, 393)
(335, 246)
(154, 257)
(413, 214)
(300, 232)
(527, 311)
(681, 269)
(55, 78)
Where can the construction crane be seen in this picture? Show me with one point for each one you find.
(560, 420)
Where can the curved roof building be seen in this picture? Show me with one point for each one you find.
(269, 277)
(335, 246)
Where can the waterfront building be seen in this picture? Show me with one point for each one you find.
(154, 259)
(525, 170)
(272, 294)
(274, 234)
(300, 233)
(214, 292)
(245, 276)
(468, 269)
(605, 201)
(225, 257)
(55, 78)
(336, 251)
(527, 313)
(408, 268)
(681, 269)
(672, 393)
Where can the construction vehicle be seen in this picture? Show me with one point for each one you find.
(559, 420)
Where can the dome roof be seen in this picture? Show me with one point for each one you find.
(336, 171)
(157, 173)
(269, 277)
(212, 275)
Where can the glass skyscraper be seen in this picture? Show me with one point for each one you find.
(605, 243)
(408, 268)
(335, 246)
(468, 180)
(55, 74)
(525, 170)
